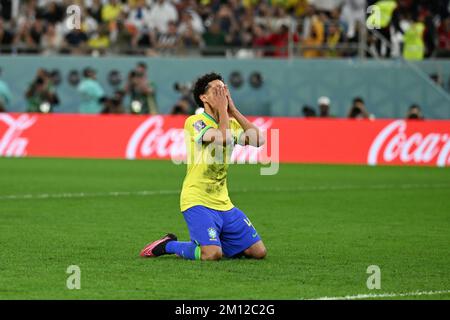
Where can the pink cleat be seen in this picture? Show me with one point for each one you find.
(157, 248)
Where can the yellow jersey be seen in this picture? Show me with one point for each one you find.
(207, 165)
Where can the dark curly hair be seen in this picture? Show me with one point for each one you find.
(201, 84)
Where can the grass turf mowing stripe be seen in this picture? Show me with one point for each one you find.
(386, 295)
(172, 192)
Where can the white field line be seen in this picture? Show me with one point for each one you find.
(244, 190)
(386, 295)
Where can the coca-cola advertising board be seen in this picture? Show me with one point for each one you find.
(373, 142)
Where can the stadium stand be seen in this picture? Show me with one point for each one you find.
(250, 28)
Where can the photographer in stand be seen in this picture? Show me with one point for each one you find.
(114, 105)
(142, 92)
(41, 95)
(414, 113)
(186, 103)
(358, 110)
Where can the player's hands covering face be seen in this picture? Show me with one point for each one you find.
(231, 106)
(219, 98)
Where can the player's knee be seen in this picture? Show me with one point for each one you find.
(211, 253)
(259, 253)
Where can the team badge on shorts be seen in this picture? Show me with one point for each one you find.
(212, 234)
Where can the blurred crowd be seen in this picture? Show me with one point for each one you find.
(357, 110)
(244, 28)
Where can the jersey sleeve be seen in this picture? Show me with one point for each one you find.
(196, 128)
(236, 130)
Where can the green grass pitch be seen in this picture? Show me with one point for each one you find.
(323, 226)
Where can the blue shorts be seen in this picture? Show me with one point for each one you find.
(231, 229)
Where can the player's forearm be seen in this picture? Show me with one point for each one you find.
(250, 129)
(243, 121)
(224, 125)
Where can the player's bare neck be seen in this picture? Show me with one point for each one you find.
(213, 113)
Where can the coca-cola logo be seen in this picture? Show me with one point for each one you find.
(151, 140)
(394, 144)
(12, 144)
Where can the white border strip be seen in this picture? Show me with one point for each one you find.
(386, 295)
(244, 190)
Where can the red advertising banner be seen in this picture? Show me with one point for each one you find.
(373, 142)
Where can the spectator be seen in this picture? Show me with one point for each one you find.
(51, 12)
(225, 18)
(41, 95)
(315, 39)
(111, 11)
(264, 13)
(89, 25)
(326, 5)
(260, 40)
(92, 93)
(160, 14)
(100, 40)
(278, 42)
(190, 19)
(414, 46)
(51, 40)
(170, 40)
(138, 17)
(324, 107)
(33, 36)
(190, 38)
(358, 110)
(437, 79)
(444, 38)
(414, 112)
(146, 40)
(300, 8)
(308, 112)
(95, 10)
(353, 14)
(75, 41)
(281, 18)
(124, 37)
(6, 37)
(5, 95)
(381, 21)
(430, 34)
(238, 9)
(334, 39)
(214, 39)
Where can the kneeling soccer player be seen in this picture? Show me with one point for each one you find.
(216, 227)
